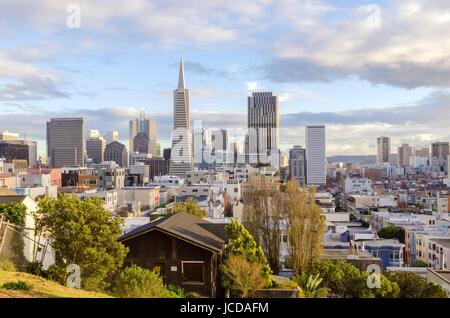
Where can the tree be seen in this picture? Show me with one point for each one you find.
(305, 227)
(345, 280)
(192, 207)
(392, 232)
(137, 282)
(84, 233)
(244, 276)
(414, 286)
(310, 285)
(262, 216)
(14, 212)
(242, 243)
(419, 263)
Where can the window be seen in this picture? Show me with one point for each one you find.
(192, 272)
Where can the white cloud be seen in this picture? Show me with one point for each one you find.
(252, 86)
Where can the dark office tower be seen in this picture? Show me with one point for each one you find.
(141, 143)
(65, 142)
(14, 151)
(297, 164)
(440, 150)
(181, 154)
(157, 167)
(118, 153)
(166, 153)
(263, 125)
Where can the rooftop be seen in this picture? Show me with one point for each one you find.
(186, 227)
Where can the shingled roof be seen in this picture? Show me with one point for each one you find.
(7, 199)
(186, 227)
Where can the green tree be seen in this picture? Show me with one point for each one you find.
(310, 285)
(137, 282)
(392, 232)
(82, 232)
(14, 212)
(241, 242)
(413, 285)
(345, 280)
(419, 263)
(192, 207)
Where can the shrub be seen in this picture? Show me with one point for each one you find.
(19, 285)
(244, 276)
(7, 266)
(176, 291)
(137, 282)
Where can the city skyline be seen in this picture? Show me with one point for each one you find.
(396, 88)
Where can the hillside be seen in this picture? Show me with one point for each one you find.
(41, 288)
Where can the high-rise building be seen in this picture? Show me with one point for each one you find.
(8, 136)
(440, 150)
(95, 147)
(263, 128)
(157, 167)
(118, 153)
(383, 149)
(315, 155)
(404, 151)
(14, 151)
(166, 153)
(422, 152)
(111, 136)
(65, 142)
(181, 153)
(297, 164)
(141, 143)
(14, 138)
(144, 128)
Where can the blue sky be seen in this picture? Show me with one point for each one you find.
(346, 64)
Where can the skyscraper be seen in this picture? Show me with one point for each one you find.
(440, 150)
(297, 164)
(263, 127)
(144, 127)
(118, 153)
(65, 142)
(404, 152)
(95, 146)
(181, 153)
(111, 136)
(315, 155)
(14, 138)
(383, 149)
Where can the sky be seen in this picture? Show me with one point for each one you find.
(364, 69)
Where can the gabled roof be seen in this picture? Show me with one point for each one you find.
(6, 199)
(186, 227)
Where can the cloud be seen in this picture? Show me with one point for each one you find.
(252, 86)
(31, 88)
(406, 51)
(200, 69)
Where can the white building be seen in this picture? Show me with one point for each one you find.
(352, 185)
(315, 155)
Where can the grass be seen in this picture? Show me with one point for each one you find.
(41, 288)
